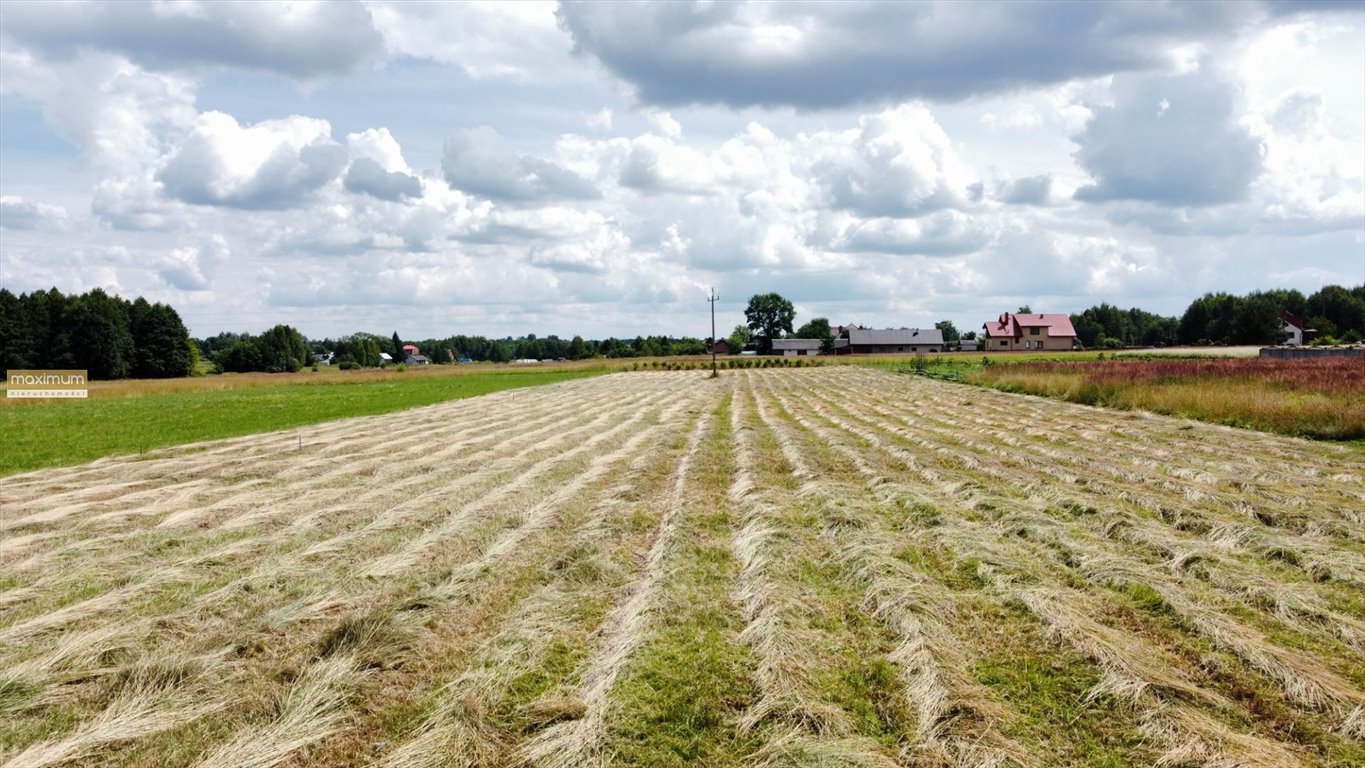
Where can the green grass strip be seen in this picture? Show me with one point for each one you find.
(65, 432)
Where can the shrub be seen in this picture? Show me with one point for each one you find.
(345, 365)
(400, 367)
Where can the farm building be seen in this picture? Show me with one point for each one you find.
(966, 345)
(416, 359)
(721, 347)
(385, 359)
(1052, 331)
(891, 341)
(796, 347)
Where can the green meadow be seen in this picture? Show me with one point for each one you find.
(139, 416)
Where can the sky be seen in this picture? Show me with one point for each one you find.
(597, 168)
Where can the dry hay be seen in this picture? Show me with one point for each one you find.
(470, 583)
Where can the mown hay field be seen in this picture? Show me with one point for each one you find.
(828, 566)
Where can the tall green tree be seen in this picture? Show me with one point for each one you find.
(769, 316)
(282, 350)
(397, 349)
(740, 338)
(818, 328)
(950, 334)
(95, 336)
(163, 346)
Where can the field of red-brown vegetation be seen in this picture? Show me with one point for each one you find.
(1320, 398)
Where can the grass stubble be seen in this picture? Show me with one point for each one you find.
(800, 567)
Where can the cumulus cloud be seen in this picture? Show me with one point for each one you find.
(898, 162)
(480, 161)
(1195, 151)
(272, 164)
(296, 40)
(1030, 190)
(18, 213)
(191, 268)
(514, 41)
(946, 233)
(368, 177)
(829, 55)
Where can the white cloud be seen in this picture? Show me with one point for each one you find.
(272, 164)
(517, 41)
(897, 163)
(294, 39)
(18, 213)
(191, 268)
(479, 161)
(600, 120)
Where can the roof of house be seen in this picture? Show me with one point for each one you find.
(795, 344)
(1009, 324)
(385, 356)
(410, 348)
(1294, 320)
(898, 336)
(418, 358)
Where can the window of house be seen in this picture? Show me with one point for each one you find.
(1003, 342)
(1034, 331)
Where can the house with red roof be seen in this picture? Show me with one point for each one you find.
(1296, 331)
(1035, 330)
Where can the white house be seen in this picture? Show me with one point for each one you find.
(1295, 329)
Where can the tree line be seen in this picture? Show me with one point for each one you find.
(1337, 313)
(107, 336)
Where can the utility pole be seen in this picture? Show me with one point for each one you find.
(712, 301)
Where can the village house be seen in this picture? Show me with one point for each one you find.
(1297, 333)
(796, 347)
(891, 341)
(1051, 331)
(414, 356)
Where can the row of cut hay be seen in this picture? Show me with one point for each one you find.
(1318, 557)
(1024, 469)
(488, 595)
(800, 726)
(1293, 496)
(580, 741)
(467, 723)
(320, 492)
(313, 604)
(956, 717)
(1005, 567)
(1304, 681)
(284, 562)
(1275, 459)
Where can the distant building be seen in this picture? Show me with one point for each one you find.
(415, 359)
(410, 349)
(323, 358)
(385, 359)
(796, 347)
(1296, 330)
(893, 341)
(721, 347)
(966, 345)
(1050, 331)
